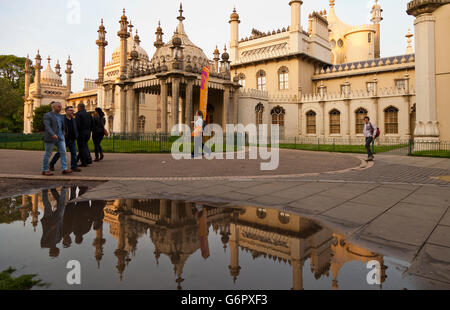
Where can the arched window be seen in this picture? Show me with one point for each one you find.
(335, 122)
(278, 114)
(261, 80)
(111, 123)
(283, 78)
(284, 217)
(391, 120)
(311, 122)
(141, 125)
(261, 213)
(360, 114)
(242, 80)
(259, 110)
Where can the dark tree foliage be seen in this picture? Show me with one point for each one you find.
(12, 85)
(24, 282)
(9, 210)
(38, 117)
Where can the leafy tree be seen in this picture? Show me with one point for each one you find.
(12, 90)
(9, 211)
(38, 117)
(24, 282)
(11, 107)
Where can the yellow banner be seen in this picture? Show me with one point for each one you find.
(204, 91)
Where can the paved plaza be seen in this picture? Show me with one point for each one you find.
(399, 206)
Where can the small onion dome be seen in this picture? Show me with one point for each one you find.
(234, 15)
(134, 54)
(216, 51)
(236, 79)
(225, 56)
(176, 41)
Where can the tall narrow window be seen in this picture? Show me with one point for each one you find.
(370, 87)
(391, 120)
(400, 84)
(261, 80)
(259, 110)
(141, 124)
(242, 80)
(283, 78)
(369, 38)
(311, 122)
(278, 114)
(335, 122)
(360, 114)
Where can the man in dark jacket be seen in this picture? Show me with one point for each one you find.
(54, 136)
(84, 124)
(71, 135)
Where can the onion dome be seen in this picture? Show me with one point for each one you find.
(234, 16)
(49, 77)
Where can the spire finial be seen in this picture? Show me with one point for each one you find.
(181, 17)
(331, 3)
(131, 27)
(49, 59)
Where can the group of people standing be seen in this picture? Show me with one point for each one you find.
(72, 130)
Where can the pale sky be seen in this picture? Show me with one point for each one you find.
(53, 26)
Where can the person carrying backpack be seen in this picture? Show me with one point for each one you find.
(371, 132)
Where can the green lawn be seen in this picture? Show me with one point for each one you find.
(341, 148)
(442, 153)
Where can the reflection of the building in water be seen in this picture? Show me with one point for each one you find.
(177, 231)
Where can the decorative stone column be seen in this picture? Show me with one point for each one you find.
(175, 103)
(226, 104)
(123, 107)
(426, 118)
(235, 105)
(164, 94)
(136, 103)
(123, 35)
(102, 43)
(69, 76)
(189, 115)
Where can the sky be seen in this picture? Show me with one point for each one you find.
(59, 28)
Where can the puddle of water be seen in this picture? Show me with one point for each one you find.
(162, 244)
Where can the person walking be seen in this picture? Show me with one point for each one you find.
(84, 125)
(370, 132)
(71, 135)
(199, 127)
(54, 136)
(98, 133)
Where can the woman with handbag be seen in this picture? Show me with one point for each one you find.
(99, 132)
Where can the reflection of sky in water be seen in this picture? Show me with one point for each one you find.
(21, 248)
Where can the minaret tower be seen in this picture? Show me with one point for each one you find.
(409, 48)
(376, 19)
(38, 68)
(159, 36)
(123, 35)
(102, 43)
(234, 42)
(69, 75)
(216, 59)
(58, 68)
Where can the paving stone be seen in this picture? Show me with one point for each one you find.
(399, 228)
(433, 200)
(446, 219)
(354, 212)
(382, 197)
(425, 212)
(317, 203)
(267, 188)
(440, 236)
(270, 200)
(349, 190)
(433, 262)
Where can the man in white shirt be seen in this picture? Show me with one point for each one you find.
(370, 131)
